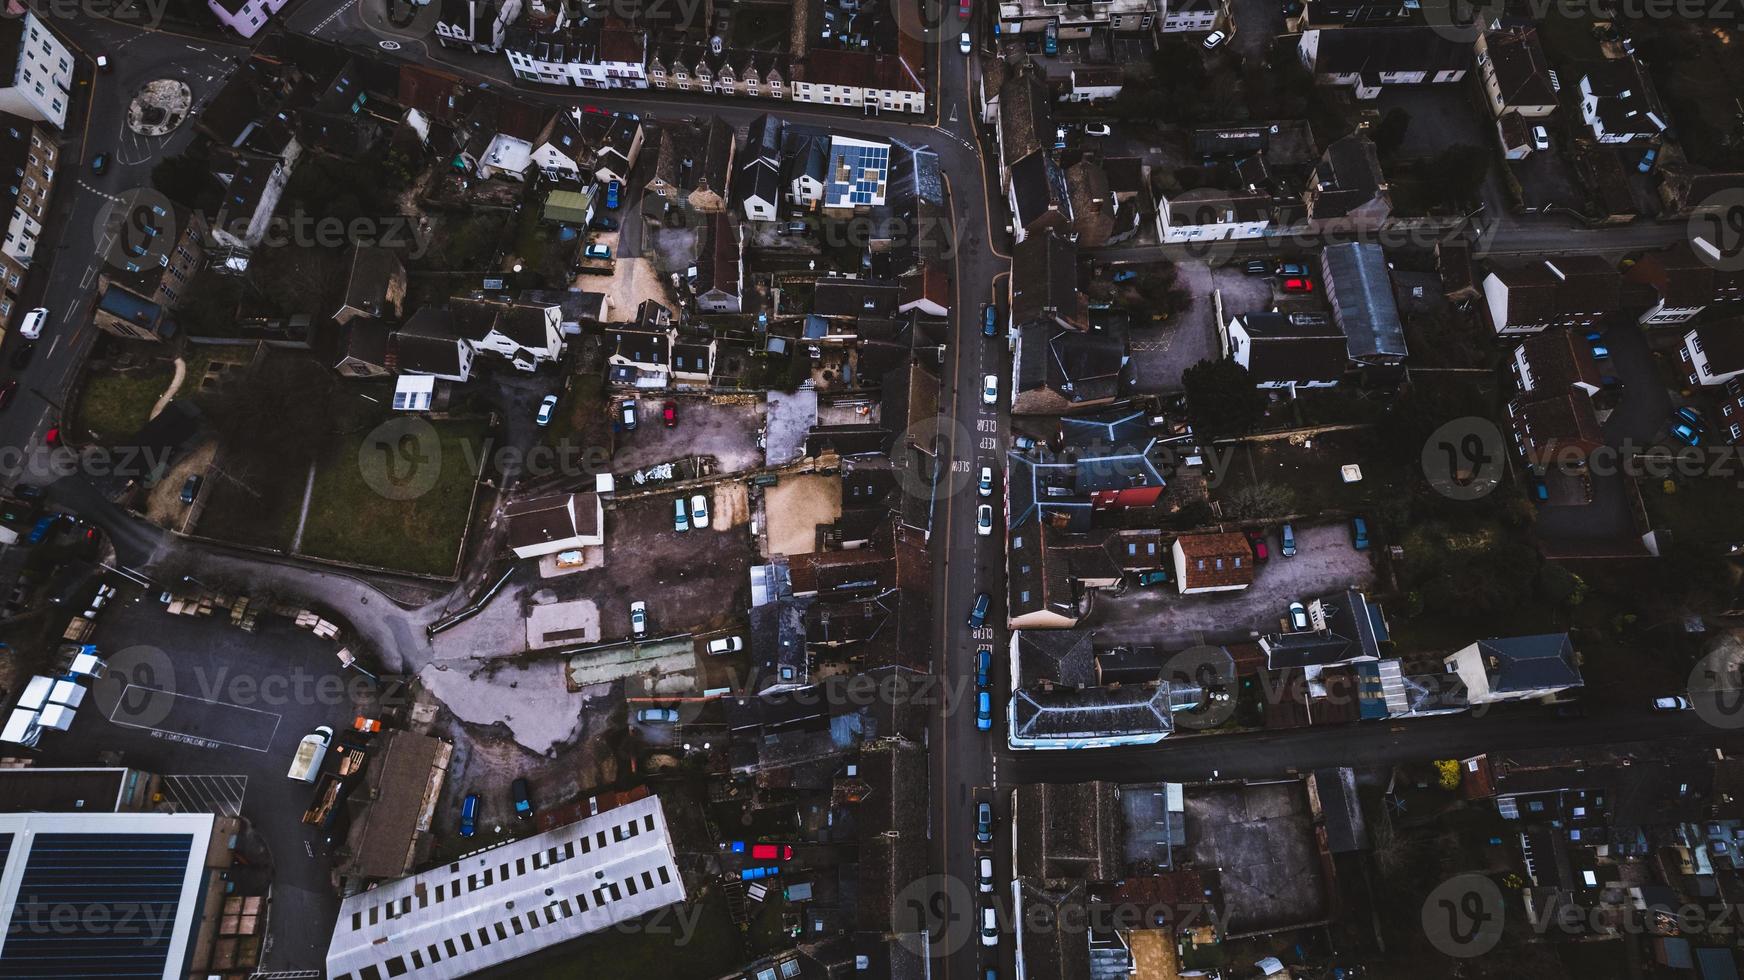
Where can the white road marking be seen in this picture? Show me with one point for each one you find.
(153, 691)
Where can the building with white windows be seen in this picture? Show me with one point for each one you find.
(36, 70)
(509, 901)
(245, 17)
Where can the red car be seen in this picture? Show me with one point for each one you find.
(1297, 284)
(1258, 540)
(770, 852)
(669, 414)
(52, 436)
(7, 391)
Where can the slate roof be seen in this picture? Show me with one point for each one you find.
(1723, 343)
(1524, 663)
(1131, 710)
(1068, 832)
(542, 520)
(1044, 282)
(1354, 629)
(1296, 347)
(1522, 71)
(1559, 358)
(1360, 289)
(1359, 50)
(1347, 177)
(1556, 420)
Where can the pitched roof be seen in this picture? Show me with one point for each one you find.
(1347, 177)
(1722, 342)
(1068, 832)
(1554, 421)
(1360, 290)
(1356, 50)
(1557, 359)
(1298, 347)
(1524, 663)
(542, 520)
(1342, 628)
(1216, 559)
(1522, 71)
(1044, 282)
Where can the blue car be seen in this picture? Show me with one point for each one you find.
(990, 321)
(978, 615)
(984, 711)
(1359, 534)
(1126, 275)
(1693, 417)
(1594, 335)
(1540, 492)
(612, 189)
(1646, 163)
(1600, 352)
(983, 668)
(469, 815)
(752, 874)
(1685, 434)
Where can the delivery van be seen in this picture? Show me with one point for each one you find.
(310, 751)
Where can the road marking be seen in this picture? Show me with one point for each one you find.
(222, 795)
(342, 8)
(236, 723)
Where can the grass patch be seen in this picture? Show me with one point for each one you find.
(256, 510)
(1312, 471)
(115, 406)
(350, 521)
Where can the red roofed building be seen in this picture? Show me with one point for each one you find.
(1213, 563)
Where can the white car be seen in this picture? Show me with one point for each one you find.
(34, 321)
(990, 390)
(1298, 617)
(699, 511)
(638, 617)
(984, 874)
(985, 487)
(726, 644)
(1097, 129)
(1674, 703)
(547, 406)
(984, 519)
(989, 926)
(1215, 40)
(964, 44)
(1540, 138)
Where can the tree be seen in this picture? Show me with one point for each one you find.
(1390, 134)
(1221, 398)
(1259, 500)
(1447, 774)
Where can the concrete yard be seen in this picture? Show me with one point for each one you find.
(725, 430)
(796, 506)
(1260, 838)
(555, 624)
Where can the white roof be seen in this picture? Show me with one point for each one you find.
(87, 664)
(414, 392)
(508, 153)
(21, 728)
(36, 692)
(58, 717)
(508, 901)
(69, 693)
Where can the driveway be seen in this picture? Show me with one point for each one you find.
(1324, 563)
(728, 432)
(1257, 25)
(1160, 353)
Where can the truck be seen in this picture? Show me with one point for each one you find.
(306, 764)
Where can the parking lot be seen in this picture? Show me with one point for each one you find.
(1324, 563)
(1161, 352)
(726, 431)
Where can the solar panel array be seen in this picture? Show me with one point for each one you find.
(860, 174)
(95, 905)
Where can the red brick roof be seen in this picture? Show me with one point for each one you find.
(1216, 560)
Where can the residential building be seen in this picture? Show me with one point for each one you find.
(429, 344)
(1516, 668)
(1078, 20)
(478, 26)
(757, 190)
(1095, 83)
(245, 17)
(1057, 702)
(252, 188)
(584, 55)
(618, 150)
(1044, 285)
(1347, 191)
(362, 349)
(720, 266)
(1287, 351)
(560, 151)
(1549, 363)
(1099, 215)
(857, 176)
(1682, 281)
(560, 522)
(1192, 16)
(1556, 429)
(861, 78)
(1206, 214)
(155, 255)
(1025, 122)
(478, 912)
(807, 165)
(1713, 353)
(1619, 103)
(527, 335)
(36, 70)
(688, 66)
(1039, 197)
(1367, 59)
(1214, 562)
(375, 286)
(1359, 288)
(1343, 628)
(1346, 13)
(1574, 291)
(27, 150)
(694, 165)
(1514, 70)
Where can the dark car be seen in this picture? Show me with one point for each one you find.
(1258, 267)
(604, 223)
(984, 823)
(469, 815)
(990, 321)
(523, 801)
(191, 488)
(8, 391)
(23, 354)
(978, 615)
(983, 667)
(100, 164)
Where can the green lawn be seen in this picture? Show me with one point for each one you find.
(115, 406)
(350, 521)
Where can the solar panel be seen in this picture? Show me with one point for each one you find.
(96, 905)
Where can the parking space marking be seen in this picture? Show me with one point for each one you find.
(234, 720)
(222, 795)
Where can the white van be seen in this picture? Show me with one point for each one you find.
(310, 751)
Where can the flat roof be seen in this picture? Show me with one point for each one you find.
(56, 790)
(512, 900)
(142, 868)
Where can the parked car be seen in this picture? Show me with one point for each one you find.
(978, 614)
(657, 716)
(983, 667)
(669, 413)
(1647, 160)
(1287, 541)
(1693, 417)
(983, 711)
(605, 223)
(1540, 489)
(1298, 617)
(1098, 129)
(984, 874)
(726, 644)
(99, 164)
(1215, 40)
(1257, 538)
(1022, 443)
(1292, 269)
(1600, 351)
(680, 516)
(989, 320)
(990, 390)
(638, 617)
(104, 65)
(1125, 275)
(1676, 702)
(547, 408)
(627, 414)
(523, 800)
(1540, 138)
(469, 815)
(612, 189)
(30, 328)
(191, 488)
(1298, 284)
(1059, 137)
(989, 926)
(964, 44)
(771, 852)
(1051, 39)
(1683, 432)
(1154, 576)
(983, 823)
(752, 874)
(597, 251)
(699, 511)
(984, 519)
(1359, 533)
(1258, 267)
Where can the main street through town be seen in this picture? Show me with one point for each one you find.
(966, 764)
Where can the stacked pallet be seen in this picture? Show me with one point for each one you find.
(315, 624)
